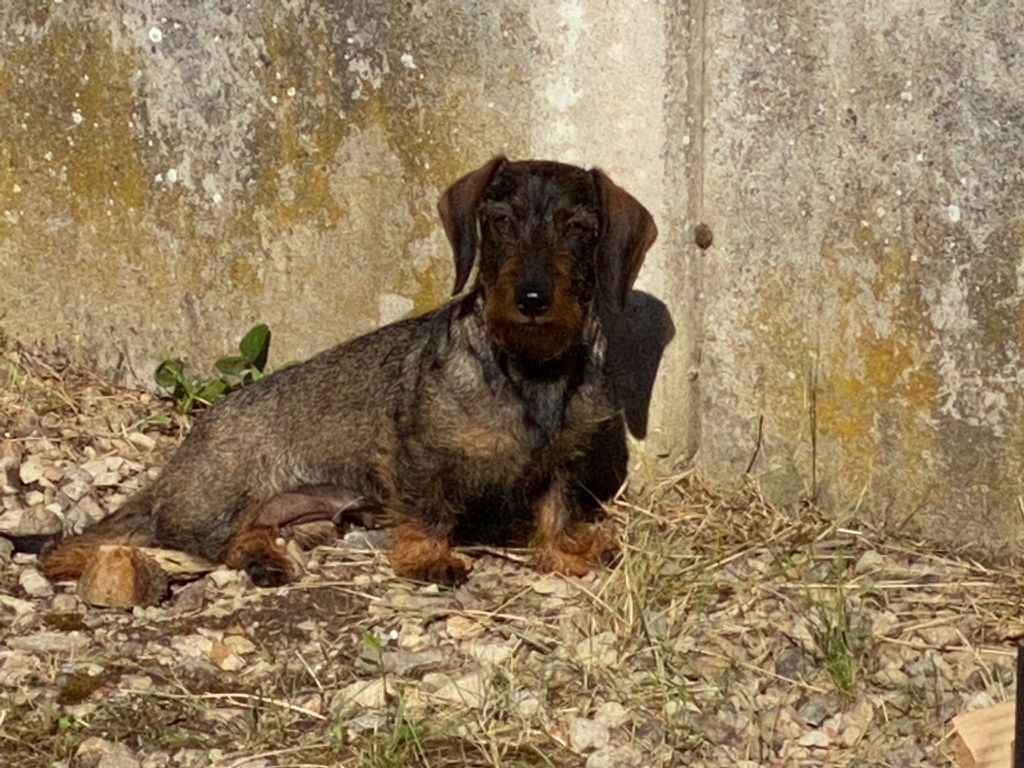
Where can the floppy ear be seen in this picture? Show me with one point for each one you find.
(627, 231)
(457, 208)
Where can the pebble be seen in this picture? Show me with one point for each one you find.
(95, 752)
(35, 584)
(586, 734)
(34, 521)
(612, 714)
(141, 441)
(64, 603)
(463, 627)
(51, 642)
(30, 471)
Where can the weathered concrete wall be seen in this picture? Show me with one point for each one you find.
(171, 174)
(866, 292)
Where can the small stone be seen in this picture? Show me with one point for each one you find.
(586, 735)
(406, 662)
(141, 441)
(35, 584)
(463, 627)
(122, 577)
(870, 562)
(6, 550)
(526, 703)
(599, 650)
(64, 603)
(612, 714)
(239, 644)
(815, 710)
(555, 586)
(363, 694)
(34, 521)
(95, 752)
(75, 489)
(223, 577)
(51, 642)
(491, 654)
(614, 757)
(30, 471)
(16, 604)
(815, 738)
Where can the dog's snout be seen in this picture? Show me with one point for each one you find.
(533, 299)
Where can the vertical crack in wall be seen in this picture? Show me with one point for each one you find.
(686, 100)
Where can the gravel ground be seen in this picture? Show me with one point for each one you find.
(729, 633)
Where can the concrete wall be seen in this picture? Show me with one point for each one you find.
(173, 173)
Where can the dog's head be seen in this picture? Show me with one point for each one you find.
(551, 240)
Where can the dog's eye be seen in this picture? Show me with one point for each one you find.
(578, 229)
(502, 222)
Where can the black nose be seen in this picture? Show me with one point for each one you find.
(532, 299)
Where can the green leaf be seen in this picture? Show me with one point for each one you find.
(255, 346)
(168, 374)
(232, 365)
(213, 391)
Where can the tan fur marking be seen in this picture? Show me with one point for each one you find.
(418, 555)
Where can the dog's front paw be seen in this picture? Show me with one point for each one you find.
(578, 552)
(448, 571)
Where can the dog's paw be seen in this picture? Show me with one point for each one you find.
(448, 571)
(579, 552)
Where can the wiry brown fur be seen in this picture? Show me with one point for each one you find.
(477, 416)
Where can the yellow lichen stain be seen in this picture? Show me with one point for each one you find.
(876, 390)
(105, 173)
(433, 286)
(300, 134)
(245, 276)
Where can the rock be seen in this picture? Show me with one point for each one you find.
(526, 703)
(30, 471)
(6, 550)
(64, 603)
(855, 723)
(19, 606)
(491, 654)
(467, 691)
(599, 650)
(406, 662)
(50, 642)
(240, 644)
(141, 441)
(35, 584)
(95, 752)
(614, 757)
(816, 709)
(555, 586)
(223, 577)
(362, 694)
(34, 521)
(122, 577)
(815, 738)
(463, 627)
(612, 714)
(586, 735)
(75, 489)
(870, 562)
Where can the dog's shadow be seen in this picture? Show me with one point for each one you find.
(637, 338)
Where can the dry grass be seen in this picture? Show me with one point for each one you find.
(729, 633)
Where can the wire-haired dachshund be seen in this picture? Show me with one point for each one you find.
(493, 412)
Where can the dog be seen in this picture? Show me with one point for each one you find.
(492, 411)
